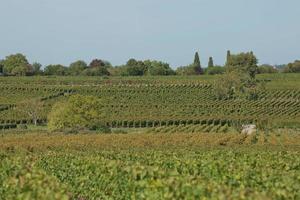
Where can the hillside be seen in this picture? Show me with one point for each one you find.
(157, 101)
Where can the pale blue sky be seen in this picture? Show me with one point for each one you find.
(62, 31)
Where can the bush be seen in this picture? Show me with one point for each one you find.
(267, 69)
(78, 112)
(215, 70)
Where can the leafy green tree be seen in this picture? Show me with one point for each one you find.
(76, 68)
(158, 68)
(228, 85)
(210, 62)
(134, 68)
(32, 108)
(236, 84)
(266, 69)
(58, 70)
(16, 64)
(97, 68)
(243, 62)
(36, 68)
(77, 112)
(292, 67)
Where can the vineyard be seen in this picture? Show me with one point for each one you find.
(150, 166)
(157, 102)
(171, 139)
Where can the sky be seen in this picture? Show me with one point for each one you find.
(63, 31)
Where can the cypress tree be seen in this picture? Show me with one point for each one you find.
(197, 64)
(228, 57)
(210, 62)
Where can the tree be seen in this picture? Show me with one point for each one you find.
(266, 69)
(134, 68)
(237, 84)
(76, 68)
(158, 68)
(32, 108)
(97, 68)
(77, 112)
(1, 67)
(16, 64)
(96, 71)
(58, 70)
(292, 67)
(215, 70)
(243, 62)
(197, 65)
(228, 85)
(36, 68)
(210, 62)
(186, 70)
(228, 57)
(97, 63)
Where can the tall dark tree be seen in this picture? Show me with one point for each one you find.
(210, 62)
(1, 67)
(228, 57)
(197, 64)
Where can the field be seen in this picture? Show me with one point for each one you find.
(171, 139)
(150, 166)
(157, 101)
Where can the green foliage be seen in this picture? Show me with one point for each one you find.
(36, 68)
(96, 71)
(1, 67)
(215, 70)
(76, 68)
(238, 85)
(134, 68)
(266, 69)
(16, 64)
(292, 67)
(97, 68)
(227, 58)
(21, 179)
(210, 62)
(77, 112)
(156, 101)
(147, 67)
(177, 173)
(243, 62)
(197, 65)
(158, 68)
(186, 70)
(228, 86)
(192, 69)
(58, 70)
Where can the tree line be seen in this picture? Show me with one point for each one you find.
(18, 65)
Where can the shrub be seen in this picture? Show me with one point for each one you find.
(76, 113)
(215, 70)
